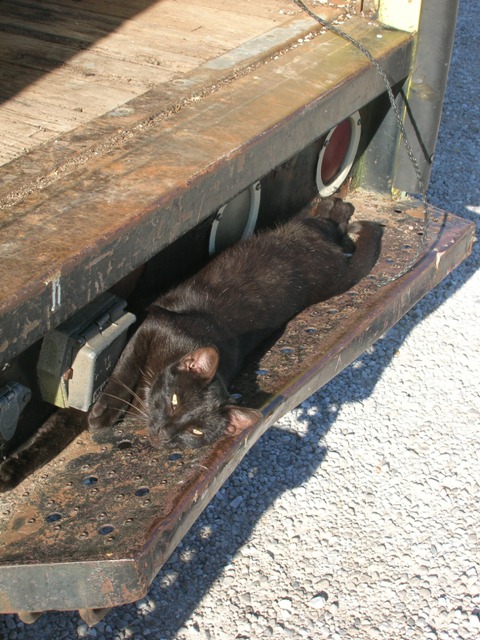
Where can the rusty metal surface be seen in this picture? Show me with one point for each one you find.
(92, 528)
(65, 244)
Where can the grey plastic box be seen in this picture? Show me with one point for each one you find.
(77, 358)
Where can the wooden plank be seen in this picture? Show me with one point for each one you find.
(105, 53)
(159, 26)
(57, 103)
(165, 27)
(37, 58)
(42, 165)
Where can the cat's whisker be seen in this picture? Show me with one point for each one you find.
(135, 395)
(140, 419)
(145, 415)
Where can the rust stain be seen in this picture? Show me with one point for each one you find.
(107, 586)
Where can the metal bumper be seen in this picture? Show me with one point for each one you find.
(92, 528)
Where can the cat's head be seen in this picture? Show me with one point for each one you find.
(189, 406)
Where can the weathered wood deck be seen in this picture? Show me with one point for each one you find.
(63, 64)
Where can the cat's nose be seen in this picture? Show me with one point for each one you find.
(157, 436)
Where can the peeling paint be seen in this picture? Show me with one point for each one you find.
(56, 294)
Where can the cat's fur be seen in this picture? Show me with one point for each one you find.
(175, 371)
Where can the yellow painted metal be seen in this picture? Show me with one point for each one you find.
(400, 14)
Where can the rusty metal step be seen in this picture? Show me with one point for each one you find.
(91, 529)
(79, 231)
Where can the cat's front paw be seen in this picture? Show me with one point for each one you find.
(341, 213)
(333, 209)
(9, 476)
(102, 415)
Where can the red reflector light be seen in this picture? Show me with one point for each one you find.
(336, 151)
(337, 155)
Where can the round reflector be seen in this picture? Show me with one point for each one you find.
(236, 220)
(337, 155)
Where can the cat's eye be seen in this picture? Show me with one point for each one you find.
(196, 432)
(174, 401)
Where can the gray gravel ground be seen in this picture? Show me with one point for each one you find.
(357, 516)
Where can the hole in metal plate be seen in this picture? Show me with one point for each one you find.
(54, 517)
(106, 529)
(89, 481)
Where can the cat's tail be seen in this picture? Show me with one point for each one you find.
(367, 237)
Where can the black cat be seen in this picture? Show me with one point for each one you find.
(174, 373)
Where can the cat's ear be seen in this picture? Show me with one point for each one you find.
(202, 363)
(241, 418)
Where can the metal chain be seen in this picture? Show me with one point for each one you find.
(356, 43)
